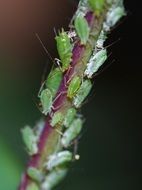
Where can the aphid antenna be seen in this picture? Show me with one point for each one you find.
(55, 32)
(34, 100)
(112, 44)
(59, 132)
(45, 49)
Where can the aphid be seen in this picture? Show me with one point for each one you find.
(32, 186)
(97, 6)
(53, 81)
(73, 86)
(82, 29)
(72, 132)
(35, 174)
(100, 42)
(53, 178)
(82, 93)
(46, 99)
(81, 11)
(57, 118)
(59, 159)
(30, 140)
(64, 48)
(113, 16)
(69, 117)
(95, 62)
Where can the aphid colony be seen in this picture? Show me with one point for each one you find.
(78, 89)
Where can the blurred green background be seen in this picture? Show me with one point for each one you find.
(110, 146)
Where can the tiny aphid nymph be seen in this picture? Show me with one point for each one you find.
(57, 118)
(82, 93)
(53, 178)
(59, 159)
(64, 48)
(35, 174)
(69, 117)
(30, 140)
(46, 99)
(97, 6)
(72, 132)
(82, 29)
(53, 81)
(95, 62)
(113, 16)
(73, 86)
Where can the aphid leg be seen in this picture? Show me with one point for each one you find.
(61, 93)
(41, 88)
(58, 62)
(59, 132)
(76, 156)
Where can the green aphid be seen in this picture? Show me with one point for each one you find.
(97, 6)
(35, 174)
(72, 132)
(57, 118)
(82, 29)
(53, 81)
(59, 159)
(64, 48)
(30, 140)
(32, 186)
(46, 99)
(73, 86)
(82, 93)
(53, 178)
(69, 117)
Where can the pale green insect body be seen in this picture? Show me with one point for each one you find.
(59, 159)
(72, 132)
(54, 80)
(53, 178)
(69, 117)
(82, 29)
(35, 174)
(30, 140)
(64, 48)
(113, 16)
(57, 118)
(95, 62)
(73, 86)
(97, 6)
(46, 99)
(32, 186)
(82, 93)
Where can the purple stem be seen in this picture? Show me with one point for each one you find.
(78, 51)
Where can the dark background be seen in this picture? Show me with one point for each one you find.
(110, 146)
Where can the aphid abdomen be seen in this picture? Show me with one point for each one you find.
(69, 117)
(82, 93)
(82, 29)
(46, 101)
(53, 81)
(72, 132)
(59, 159)
(73, 86)
(53, 178)
(96, 61)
